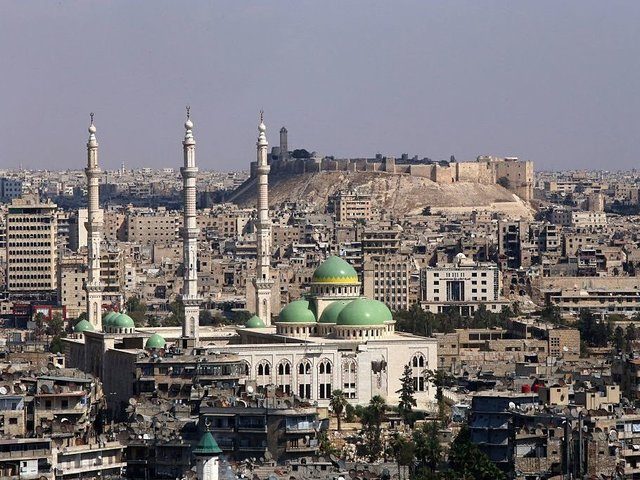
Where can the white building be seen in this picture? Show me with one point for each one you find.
(464, 285)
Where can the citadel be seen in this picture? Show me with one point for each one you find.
(516, 175)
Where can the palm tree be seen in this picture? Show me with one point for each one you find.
(338, 403)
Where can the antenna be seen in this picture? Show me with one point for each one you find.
(188, 112)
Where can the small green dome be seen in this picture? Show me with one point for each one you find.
(364, 312)
(83, 326)
(331, 312)
(298, 311)
(335, 270)
(123, 321)
(107, 320)
(207, 446)
(254, 322)
(155, 341)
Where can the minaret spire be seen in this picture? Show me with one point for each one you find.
(263, 282)
(93, 286)
(190, 299)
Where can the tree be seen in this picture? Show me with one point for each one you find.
(428, 448)
(618, 339)
(403, 450)
(338, 403)
(137, 310)
(372, 416)
(55, 326)
(439, 379)
(468, 462)
(552, 314)
(631, 335)
(407, 391)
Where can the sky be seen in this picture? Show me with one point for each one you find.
(548, 81)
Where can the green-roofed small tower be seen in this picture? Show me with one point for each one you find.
(207, 451)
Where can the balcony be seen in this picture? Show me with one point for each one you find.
(300, 447)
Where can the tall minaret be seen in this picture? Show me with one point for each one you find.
(92, 285)
(263, 282)
(190, 299)
(284, 144)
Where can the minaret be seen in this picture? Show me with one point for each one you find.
(92, 285)
(263, 282)
(284, 144)
(190, 299)
(206, 453)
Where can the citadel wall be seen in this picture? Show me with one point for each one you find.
(515, 174)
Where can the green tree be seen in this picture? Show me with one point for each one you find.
(631, 336)
(551, 314)
(372, 417)
(618, 339)
(428, 449)
(338, 403)
(439, 379)
(137, 310)
(403, 451)
(468, 462)
(56, 326)
(407, 392)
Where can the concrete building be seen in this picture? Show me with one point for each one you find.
(387, 278)
(10, 188)
(31, 228)
(349, 207)
(464, 286)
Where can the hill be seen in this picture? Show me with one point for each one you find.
(396, 194)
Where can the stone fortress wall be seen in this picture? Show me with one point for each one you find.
(486, 170)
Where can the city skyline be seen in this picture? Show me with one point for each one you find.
(544, 82)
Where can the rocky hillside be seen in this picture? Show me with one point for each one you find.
(398, 194)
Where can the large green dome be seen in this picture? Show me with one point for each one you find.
(123, 321)
(331, 312)
(364, 312)
(83, 326)
(107, 320)
(254, 322)
(155, 341)
(298, 311)
(335, 270)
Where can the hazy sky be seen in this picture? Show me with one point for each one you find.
(554, 82)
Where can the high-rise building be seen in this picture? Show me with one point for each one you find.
(31, 228)
(387, 278)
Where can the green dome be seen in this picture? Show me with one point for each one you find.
(107, 320)
(83, 326)
(207, 446)
(335, 270)
(364, 312)
(155, 341)
(298, 311)
(331, 312)
(123, 321)
(254, 322)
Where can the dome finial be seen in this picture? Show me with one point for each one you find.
(92, 127)
(262, 128)
(188, 125)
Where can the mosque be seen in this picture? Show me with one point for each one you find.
(332, 338)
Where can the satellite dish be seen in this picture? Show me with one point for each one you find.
(249, 389)
(132, 402)
(512, 406)
(3, 390)
(45, 389)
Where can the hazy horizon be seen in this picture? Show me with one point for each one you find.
(545, 81)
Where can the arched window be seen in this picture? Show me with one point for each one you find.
(324, 379)
(283, 378)
(350, 377)
(418, 367)
(264, 373)
(304, 379)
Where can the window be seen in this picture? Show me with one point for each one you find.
(324, 379)
(304, 379)
(264, 373)
(418, 367)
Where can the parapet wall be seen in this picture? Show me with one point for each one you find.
(514, 174)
